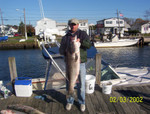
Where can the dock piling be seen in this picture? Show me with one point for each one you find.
(13, 70)
(98, 68)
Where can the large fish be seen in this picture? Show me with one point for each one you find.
(23, 109)
(72, 63)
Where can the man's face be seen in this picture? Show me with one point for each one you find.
(74, 27)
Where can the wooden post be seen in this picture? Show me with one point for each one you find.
(98, 68)
(13, 70)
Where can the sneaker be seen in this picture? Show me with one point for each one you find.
(68, 106)
(82, 107)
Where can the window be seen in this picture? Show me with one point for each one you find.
(108, 22)
(121, 22)
(45, 23)
(83, 24)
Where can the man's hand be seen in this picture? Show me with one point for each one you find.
(73, 38)
(78, 40)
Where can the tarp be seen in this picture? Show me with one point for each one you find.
(3, 38)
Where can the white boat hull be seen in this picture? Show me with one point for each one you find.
(119, 43)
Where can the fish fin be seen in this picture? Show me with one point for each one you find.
(76, 57)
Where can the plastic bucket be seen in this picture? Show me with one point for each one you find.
(107, 87)
(89, 84)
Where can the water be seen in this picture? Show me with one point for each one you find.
(30, 63)
(127, 56)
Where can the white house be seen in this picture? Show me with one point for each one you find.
(44, 24)
(9, 31)
(62, 27)
(145, 28)
(83, 25)
(57, 28)
(2, 28)
(111, 25)
(12, 30)
(127, 27)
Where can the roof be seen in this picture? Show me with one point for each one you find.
(146, 24)
(110, 18)
(45, 19)
(81, 21)
(61, 24)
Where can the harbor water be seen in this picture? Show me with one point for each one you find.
(31, 63)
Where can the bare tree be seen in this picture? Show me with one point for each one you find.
(147, 14)
(130, 21)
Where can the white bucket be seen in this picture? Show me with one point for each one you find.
(89, 84)
(107, 87)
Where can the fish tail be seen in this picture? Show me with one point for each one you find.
(70, 94)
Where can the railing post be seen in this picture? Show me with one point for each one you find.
(98, 68)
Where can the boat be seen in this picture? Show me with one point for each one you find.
(133, 75)
(116, 42)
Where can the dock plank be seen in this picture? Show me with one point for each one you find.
(102, 103)
(125, 106)
(89, 105)
(107, 101)
(96, 103)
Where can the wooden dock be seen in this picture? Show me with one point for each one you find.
(136, 101)
(146, 39)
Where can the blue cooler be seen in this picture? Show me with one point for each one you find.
(23, 86)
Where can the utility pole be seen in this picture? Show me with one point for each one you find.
(2, 21)
(118, 22)
(25, 25)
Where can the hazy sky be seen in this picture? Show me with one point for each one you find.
(63, 10)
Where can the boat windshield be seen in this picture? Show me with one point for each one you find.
(107, 73)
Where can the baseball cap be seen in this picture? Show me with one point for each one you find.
(75, 21)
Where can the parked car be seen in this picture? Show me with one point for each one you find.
(16, 34)
(10, 35)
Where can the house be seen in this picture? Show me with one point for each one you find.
(127, 27)
(62, 27)
(57, 28)
(44, 24)
(83, 25)
(145, 28)
(2, 29)
(111, 25)
(8, 30)
(91, 29)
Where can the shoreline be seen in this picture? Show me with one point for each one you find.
(19, 45)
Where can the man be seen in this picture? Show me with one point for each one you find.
(83, 38)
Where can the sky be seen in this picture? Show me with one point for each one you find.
(63, 10)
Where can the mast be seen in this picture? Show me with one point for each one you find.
(118, 22)
(41, 9)
(2, 21)
(25, 25)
